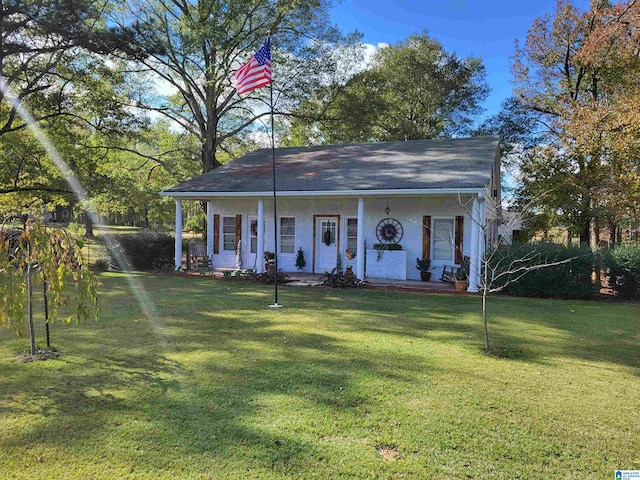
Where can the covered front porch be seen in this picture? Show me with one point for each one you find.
(242, 230)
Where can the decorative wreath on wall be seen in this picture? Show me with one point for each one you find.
(389, 230)
(327, 237)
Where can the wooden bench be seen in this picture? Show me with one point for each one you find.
(199, 257)
(449, 271)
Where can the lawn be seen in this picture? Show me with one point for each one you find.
(211, 383)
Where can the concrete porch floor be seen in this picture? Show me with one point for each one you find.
(309, 279)
(315, 279)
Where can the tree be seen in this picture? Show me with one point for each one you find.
(35, 254)
(574, 76)
(413, 90)
(612, 47)
(500, 268)
(140, 168)
(54, 64)
(39, 42)
(195, 47)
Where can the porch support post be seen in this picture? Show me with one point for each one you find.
(210, 231)
(260, 233)
(178, 250)
(474, 244)
(360, 241)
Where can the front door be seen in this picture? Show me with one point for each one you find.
(326, 244)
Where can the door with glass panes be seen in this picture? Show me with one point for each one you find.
(326, 253)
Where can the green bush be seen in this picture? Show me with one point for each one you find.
(100, 265)
(566, 280)
(142, 251)
(623, 270)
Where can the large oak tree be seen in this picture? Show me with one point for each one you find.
(415, 89)
(195, 46)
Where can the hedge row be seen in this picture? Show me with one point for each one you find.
(547, 277)
(623, 270)
(142, 251)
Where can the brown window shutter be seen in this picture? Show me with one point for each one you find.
(459, 239)
(238, 229)
(216, 233)
(426, 236)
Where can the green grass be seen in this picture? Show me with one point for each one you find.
(214, 384)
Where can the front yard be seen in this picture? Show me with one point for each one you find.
(211, 383)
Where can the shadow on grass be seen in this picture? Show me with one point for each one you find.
(242, 371)
(521, 329)
(221, 377)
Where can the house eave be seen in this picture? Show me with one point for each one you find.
(333, 194)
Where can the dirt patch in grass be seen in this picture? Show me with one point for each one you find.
(26, 357)
(388, 453)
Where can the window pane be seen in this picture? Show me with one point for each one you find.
(443, 239)
(229, 233)
(229, 224)
(352, 235)
(287, 234)
(254, 236)
(287, 245)
(352, 227)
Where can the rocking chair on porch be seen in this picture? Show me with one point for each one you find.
(449, 271)
(199, 257)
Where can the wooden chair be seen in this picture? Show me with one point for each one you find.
(449, 271)
(199, 257)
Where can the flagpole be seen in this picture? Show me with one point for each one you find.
(275, 209)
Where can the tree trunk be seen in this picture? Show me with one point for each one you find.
(88, 225)
(32, 330)
(209, 161)
(46, 314)
(484, 319)
(595, 247)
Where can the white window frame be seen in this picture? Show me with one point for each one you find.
(353, 251)
(224, 243)
(452, 242)
(280, 235)
(253, 237)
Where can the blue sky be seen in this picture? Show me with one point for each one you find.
(484, 28)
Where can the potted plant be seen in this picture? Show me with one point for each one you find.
(300, 261)
(462, 280)
(424, 265)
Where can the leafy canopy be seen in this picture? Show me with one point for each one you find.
(413, 90)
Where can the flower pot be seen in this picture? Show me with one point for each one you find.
(462, 285)
(425, 276)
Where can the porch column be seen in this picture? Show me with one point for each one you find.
(474, 244)
(210, 230)
(178, 250)
(360, 241)
(260, 239)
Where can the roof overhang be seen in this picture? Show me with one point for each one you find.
(332, 194)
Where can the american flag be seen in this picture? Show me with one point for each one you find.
(256, 72)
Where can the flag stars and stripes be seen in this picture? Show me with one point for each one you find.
(256, 72)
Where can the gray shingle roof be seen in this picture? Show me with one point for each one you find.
(417, 164)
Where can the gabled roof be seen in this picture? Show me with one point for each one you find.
(452, 164)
